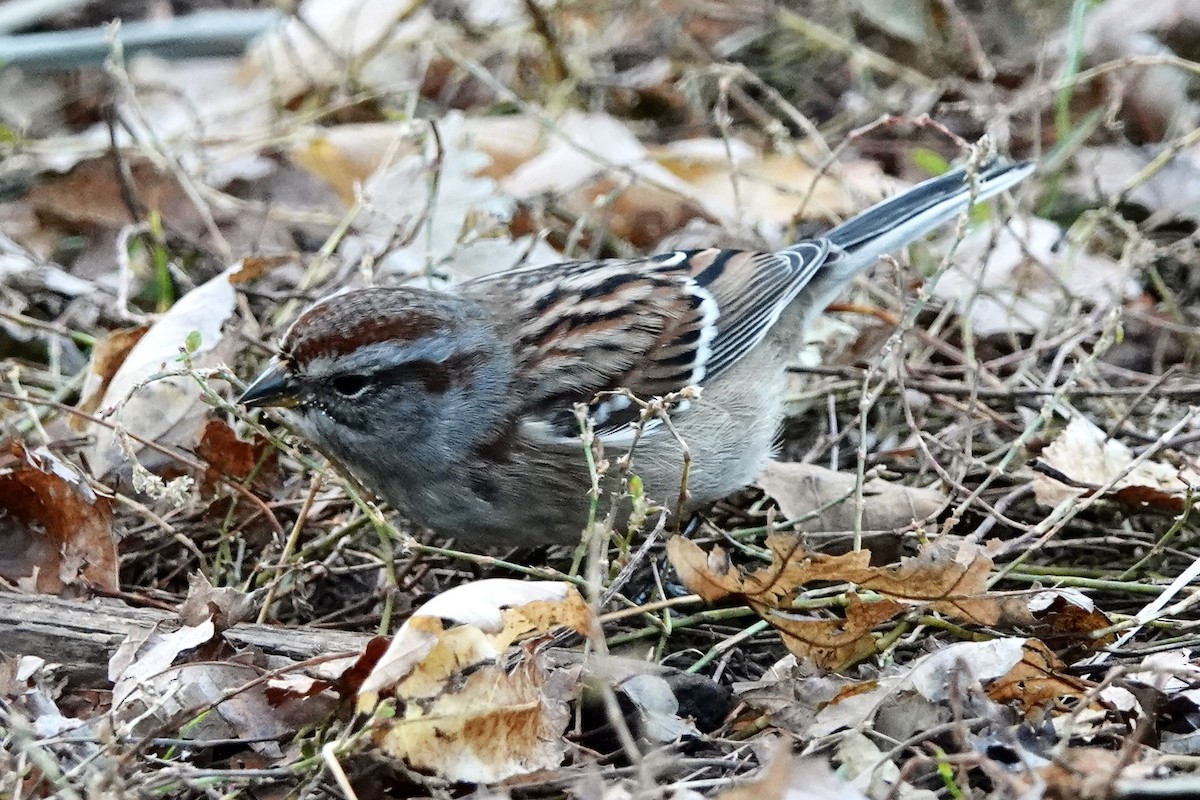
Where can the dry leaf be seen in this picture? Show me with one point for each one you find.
(461, 217)
(772, 188)
(230, 458)
(90, 196)
(1083, 454)
(509, 141)
(870, 771)
(1020, 278)
(1170, 193)
(107, 356)
(914, 22)
(166, 410)
(949, 579)
(710, 575)
(490, 725)
(831, 643)
(1067, 619)
(1082, 773)
(1155, 102)
(952, 581)
(139, 658)
(163, 678)
(57, 532)
(788, 777)
(459, 711)
(225, 607)
(1036, 681)
(345, 156)
(655, 715)
(300, 56)
(826, 498)
(931, 676)
(584, 166)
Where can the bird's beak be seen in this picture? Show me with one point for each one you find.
(272, 388)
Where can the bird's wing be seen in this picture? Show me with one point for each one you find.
(652, 326)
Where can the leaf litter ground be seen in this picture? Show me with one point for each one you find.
(969, 575)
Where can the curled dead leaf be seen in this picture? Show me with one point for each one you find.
(1038, 680)
(225, 607)
(831, 643)
(1083, 458)
(58, 533)
(948, 579)
(107, 356)
(1067, 620)
(710, 575)
(166, 410)
(459, 711)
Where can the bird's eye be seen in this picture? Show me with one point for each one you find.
(350, 385)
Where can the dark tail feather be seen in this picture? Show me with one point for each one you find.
(910, 215)
(893, 223)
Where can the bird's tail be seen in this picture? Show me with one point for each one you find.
(893, 223)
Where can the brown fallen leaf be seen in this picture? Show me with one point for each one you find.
(1066, 620)
(1081, 773)
(822, 499)
(710, 575)
(944, 578)
(1037, 681)
(90, 196)
(831, 643)
(224, 606)
(57, 532)
(107, 357)
(231, 458)
(952, 581)
(255, 267)
(713, 576)
(948, 579)
(451, 705)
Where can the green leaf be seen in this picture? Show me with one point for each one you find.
(928, 161)
(192, 343)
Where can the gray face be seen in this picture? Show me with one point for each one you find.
(395, 390)
(400, 389)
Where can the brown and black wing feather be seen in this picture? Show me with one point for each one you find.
(651, 326)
